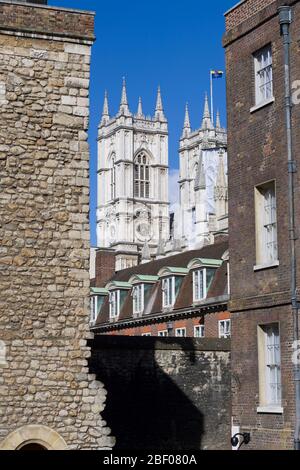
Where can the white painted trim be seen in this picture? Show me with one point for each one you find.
(195, 329)
(262, 105)
(270, 409)
(228, 321)
(180, 329)
(261, 267)
(161, 335)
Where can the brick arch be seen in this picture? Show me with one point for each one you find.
(34, 434)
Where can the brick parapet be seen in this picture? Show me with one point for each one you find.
(241, 21)
(49, 21)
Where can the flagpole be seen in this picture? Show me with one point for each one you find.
(211, 98)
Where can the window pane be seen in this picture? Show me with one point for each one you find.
(264, 74)
(178, 282)
(273, 372)
(209, 277)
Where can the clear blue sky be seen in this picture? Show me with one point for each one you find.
(173, 43)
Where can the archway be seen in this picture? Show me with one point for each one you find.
(33, 435)
(32, 446)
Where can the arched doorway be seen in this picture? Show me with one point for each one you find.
(32, 446)
(33, 437)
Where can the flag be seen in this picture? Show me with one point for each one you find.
(216, 73)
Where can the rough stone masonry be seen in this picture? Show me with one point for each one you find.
(46, 392)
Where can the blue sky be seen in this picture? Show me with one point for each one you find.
(173, 43)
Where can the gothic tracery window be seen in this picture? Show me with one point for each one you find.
(113, 179)
(142, 176)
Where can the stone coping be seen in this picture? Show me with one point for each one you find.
(49, 7)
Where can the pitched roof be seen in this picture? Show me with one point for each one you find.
(181, 260)
(153, 305)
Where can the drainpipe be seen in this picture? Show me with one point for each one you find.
(285, 19)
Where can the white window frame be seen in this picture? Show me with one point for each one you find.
(266, 225)
(228, 277)
(269, 360)
(225, 328)
(200, 329)
(179, 331)
(94, 308)
(138, 296)
(199, 284)
(200, 290)
(263, 68)
(147, 334)
(163, 333)
(168, 291)
(114, 304)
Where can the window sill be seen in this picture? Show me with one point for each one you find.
(168, 309)
(199, 301)
(261, 267)
(113, 319)
(278, 410)
(262, 105)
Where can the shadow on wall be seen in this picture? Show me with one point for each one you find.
(145, 408)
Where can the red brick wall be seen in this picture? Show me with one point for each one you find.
(46, 20)
(268, 431)
(105, 267)
(210, 321)
(244, 11)
(257, 153)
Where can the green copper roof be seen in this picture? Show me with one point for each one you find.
(172, 270)
(119, 285)
(143, 278)
(99, 291)
(206, 262)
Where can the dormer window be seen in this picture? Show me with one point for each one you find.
(141, 292)
(168, 288)
(203, 273)
(202, 279)
(171, 282)
(97, 300)
(118, 292)
(114, 304)
(138, 299)
(94, 308)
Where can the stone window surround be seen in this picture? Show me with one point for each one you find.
(261, 261)
(264, 407)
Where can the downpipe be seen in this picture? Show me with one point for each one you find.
(285, 20)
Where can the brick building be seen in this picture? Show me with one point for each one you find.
(49, 400)
(261, 241)
(180, 295)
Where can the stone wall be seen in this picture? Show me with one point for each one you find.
(167, 393)
(44, 229)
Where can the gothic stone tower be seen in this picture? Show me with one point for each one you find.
(47, 396)
(133, 208)
(203, 182)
